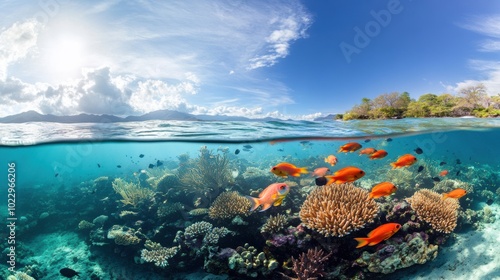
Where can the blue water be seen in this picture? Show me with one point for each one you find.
(56, 165)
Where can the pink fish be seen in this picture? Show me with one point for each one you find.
(272, 195)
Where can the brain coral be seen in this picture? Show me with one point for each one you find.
(440, 214)
(229, 204)
(336, 210)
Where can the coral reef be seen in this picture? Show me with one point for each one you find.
(20, 276)
(392, 256)
(157, 254)
(229, 204)
(337, 210)
(100, 220)
(132, 194)
(310, 265)
(83, 225)
(199, 212)
(274, 224)
(450, 184)
(210, 171)
(248, 261)
(167, 209)
(123, 235)
(440, 214)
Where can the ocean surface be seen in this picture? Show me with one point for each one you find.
(169, 200)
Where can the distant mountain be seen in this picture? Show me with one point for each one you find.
(330, 117)
(167, 115)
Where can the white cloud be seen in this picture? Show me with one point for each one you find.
(151, 55)
(490, 27)
(17, 42)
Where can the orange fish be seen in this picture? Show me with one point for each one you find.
(272, 195)
(367, 151)
(344, 175)
(350, 147)
(320, 172)
(378, 235)
(456, 193)
(331, 159)
(383, 189)
(404, 160)
(379, 154)
(443, 173)
(285, 169)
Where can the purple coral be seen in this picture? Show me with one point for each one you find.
(226, 253)
(310, 265)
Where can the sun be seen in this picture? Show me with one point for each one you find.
(65, 56)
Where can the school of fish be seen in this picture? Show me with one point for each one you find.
(274, 194)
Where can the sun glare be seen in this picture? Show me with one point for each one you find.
(65, 57)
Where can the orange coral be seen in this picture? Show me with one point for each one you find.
(440, 214)
(228, 205)
(336, 210)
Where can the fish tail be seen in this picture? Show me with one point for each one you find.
(254, 201)
(394, 166)
(303, 170)
(362, 241)
(444, 196)
(371, 195)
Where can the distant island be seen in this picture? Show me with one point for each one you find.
(167, 115)
(471, 101)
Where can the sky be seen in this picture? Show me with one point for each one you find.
(262, 58)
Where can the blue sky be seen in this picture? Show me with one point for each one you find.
(298, 59)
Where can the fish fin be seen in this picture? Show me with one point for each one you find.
(394, 166)
(371, 196)
(362, 241)
(278, 201)
(265, 207)
(303, 170)
(254, 201)
(444, 196)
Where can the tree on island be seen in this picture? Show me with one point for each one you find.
(471, 100)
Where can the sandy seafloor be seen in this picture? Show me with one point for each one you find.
(473, 255)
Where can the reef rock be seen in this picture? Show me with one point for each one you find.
(387, 259)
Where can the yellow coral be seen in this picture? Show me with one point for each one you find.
(336, 210)
(131, 193)
(126, 239)
(440, 214)
(229, 204)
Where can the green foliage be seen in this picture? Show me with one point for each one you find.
(471, 100)
(131, 193)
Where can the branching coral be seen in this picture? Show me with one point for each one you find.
(131, 193)
(336, 210)
(228, 205)
(210, 171)
(440, 214)
(167, 209)
(310, 265)
(274, 224)
(154, 252)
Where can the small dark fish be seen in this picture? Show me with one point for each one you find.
(98, 165)
(458, 161)
(119, 166)
(68, 272)
(442, 163)
(246, 150)
(151, 165)
(237, 151)
(418, 150)
(281, 150)
(388, 139)
(320, 181)
(436, 179)
(458, 173)
(304, 142)
(141, 155)
(247, 146)
(57, 174)
(367, 140)
(159, 163)
(420, 168)
(489, 201)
